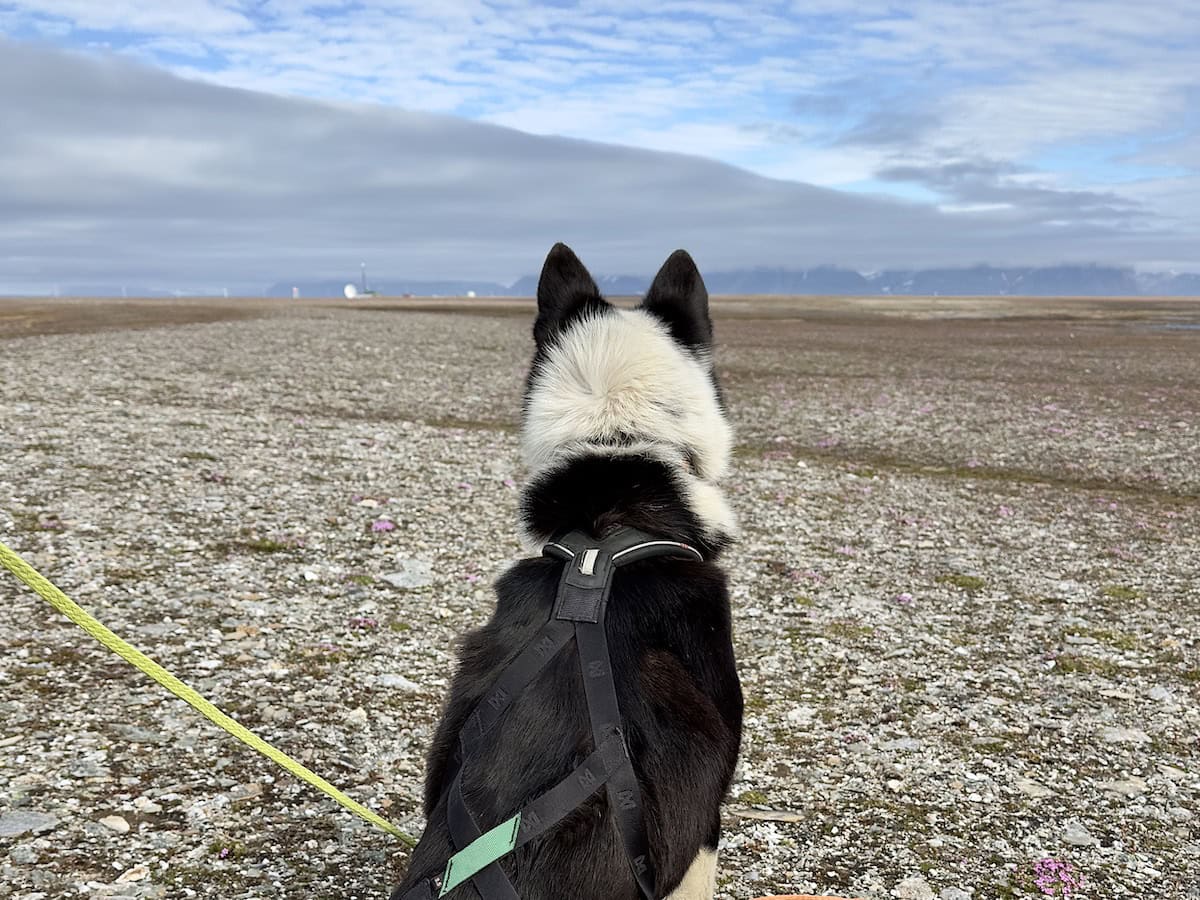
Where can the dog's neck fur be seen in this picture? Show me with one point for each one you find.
(598, 493)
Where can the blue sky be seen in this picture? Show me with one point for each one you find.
(1077, 114)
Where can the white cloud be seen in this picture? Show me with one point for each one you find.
(116, 171)
(188, 17)
(925, 83)
(1056, 108)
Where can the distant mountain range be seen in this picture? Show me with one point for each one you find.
(981, 281)
(976, 281)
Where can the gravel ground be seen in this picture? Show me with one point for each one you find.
(966, 599)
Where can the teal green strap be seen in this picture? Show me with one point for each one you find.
(480, 853)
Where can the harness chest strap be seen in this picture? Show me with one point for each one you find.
(579, 613)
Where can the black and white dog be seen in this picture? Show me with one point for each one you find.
(623, 426)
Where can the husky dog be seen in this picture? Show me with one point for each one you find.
(623, 427)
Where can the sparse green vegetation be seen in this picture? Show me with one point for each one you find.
(1120, 592)
(1118, 639)
(266, 545)
(843, 628)
(1086, 665)
(227, 849)
(752, 798)
(970, 583)
(470, 424)
(122, 574)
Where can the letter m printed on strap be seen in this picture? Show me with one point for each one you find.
(544, 646)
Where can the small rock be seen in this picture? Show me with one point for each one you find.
(390, 680)
(913, 888)
(769, 815)
(135, 735)
(1129, 787)
(953, 893)
(137, 873)
(1077, 836)
(276, 714)
(87, 768)
(23, 855)
(242, 793)
(412, 573)
(146, 805)
(115, 823)
(902, 745)
(800, 715)
(1119, 735)
(204, 810)
(1032, 788)
(17, 822)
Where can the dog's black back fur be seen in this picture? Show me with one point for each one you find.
(670, 641)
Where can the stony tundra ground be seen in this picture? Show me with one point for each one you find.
(967, 605)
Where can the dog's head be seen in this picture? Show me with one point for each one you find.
(611, 381)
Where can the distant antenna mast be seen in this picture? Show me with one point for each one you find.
(364, 278)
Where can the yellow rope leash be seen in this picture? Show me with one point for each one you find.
(141, 661)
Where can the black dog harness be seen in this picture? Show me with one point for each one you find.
(579, 610)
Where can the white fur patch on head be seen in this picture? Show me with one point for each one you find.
(616, 383)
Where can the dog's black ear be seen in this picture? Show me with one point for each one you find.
(679, 298)
(565, 292)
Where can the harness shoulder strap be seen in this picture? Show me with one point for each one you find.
(583, 595)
